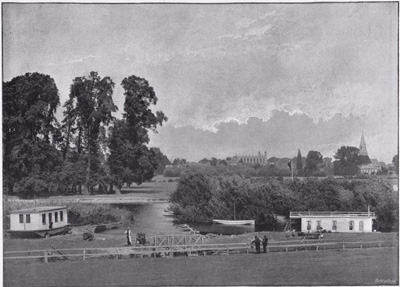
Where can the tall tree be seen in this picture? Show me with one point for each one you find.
(130, 159)
(395, 161)
(88, 114)
(30, 102)
(314, 158)
(299, 164)
(347, 161)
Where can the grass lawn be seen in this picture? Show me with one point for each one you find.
(350, 267)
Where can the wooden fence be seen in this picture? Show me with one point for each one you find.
(186, 250)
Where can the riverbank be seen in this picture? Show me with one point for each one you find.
(148, 192)
(357, 267)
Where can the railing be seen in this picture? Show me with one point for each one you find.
(187, 250)
(330, 213)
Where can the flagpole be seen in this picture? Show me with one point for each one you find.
(292, 172)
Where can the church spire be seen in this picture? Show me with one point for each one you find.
(363, 146)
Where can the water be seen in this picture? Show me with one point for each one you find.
(152, 219)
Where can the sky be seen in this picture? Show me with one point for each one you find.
(233, 79)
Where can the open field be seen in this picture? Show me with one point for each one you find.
(350, 267)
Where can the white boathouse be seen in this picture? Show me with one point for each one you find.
(38, 219)
(334, 221)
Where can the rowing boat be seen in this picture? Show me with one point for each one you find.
(235, 222)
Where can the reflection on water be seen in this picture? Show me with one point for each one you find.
(152, 218)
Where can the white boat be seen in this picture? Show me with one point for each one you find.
(235, 222)
(44, 221)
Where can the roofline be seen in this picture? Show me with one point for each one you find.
(33, 209)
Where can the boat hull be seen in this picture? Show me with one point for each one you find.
(39, 233)
(235, 222)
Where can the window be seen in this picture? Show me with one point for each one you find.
(21, 218)
(351, 225)
(334, 225)
(44, 219)
(50, 217)
(61, 216)
(28, 218)
(55, 216)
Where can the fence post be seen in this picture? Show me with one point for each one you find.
(45, 257)
(84, 255)
(343, 245)
(318, 245)
(361, 244)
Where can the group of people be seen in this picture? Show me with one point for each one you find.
(257, 242)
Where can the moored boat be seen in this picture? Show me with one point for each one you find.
(44, 221)
(235, 222)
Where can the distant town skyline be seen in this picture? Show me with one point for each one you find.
(234, 78)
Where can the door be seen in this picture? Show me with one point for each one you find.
(361, 226)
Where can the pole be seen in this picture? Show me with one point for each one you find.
(292, 171)
(234, 210)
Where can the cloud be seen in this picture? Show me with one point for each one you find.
(282, 135)
(257, 31)
(74, 61)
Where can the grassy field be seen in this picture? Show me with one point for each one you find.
(350, 267)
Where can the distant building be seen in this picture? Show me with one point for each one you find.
(335, 221)
(260, 158)
(369, 166)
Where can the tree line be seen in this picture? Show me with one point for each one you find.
(89, 148)
(346, 163)
(201, 198)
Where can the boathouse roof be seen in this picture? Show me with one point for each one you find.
(38, 209)
(300, 214)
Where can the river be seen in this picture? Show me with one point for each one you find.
(153, 219)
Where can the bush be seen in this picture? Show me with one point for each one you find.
(202, 198)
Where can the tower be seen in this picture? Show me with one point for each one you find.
(363, 146)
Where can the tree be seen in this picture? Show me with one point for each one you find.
(213, 161)
(204, 161)
(314, 158)
(395, 162)
(130, 159)
(162, 160)
(88, 113)
(30, 102)
(347, 161)
(299, 164)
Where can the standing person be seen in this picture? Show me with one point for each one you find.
(264, 243)
(257, 242)
(128, 236)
